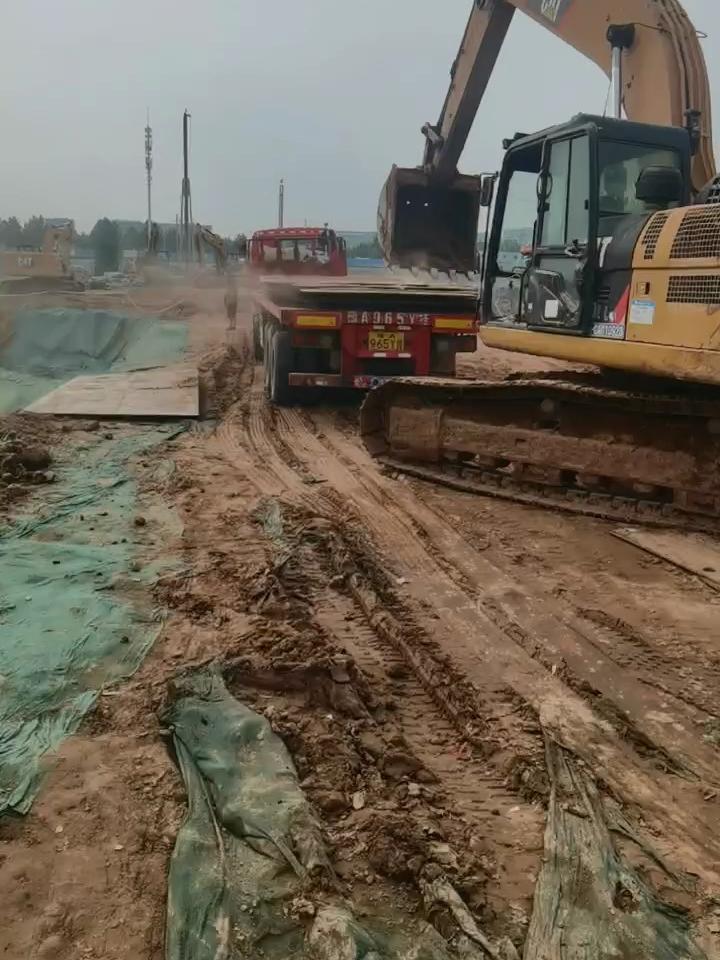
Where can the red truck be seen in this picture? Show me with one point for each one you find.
(298, 251)
(321, 328)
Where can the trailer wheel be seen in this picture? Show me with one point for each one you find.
(278, 365)
(257, 340)
(267, 360)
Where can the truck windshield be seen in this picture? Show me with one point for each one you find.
(620, 166)
(304, 251)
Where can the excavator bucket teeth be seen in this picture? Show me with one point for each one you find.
(573, 444)
(428, 224)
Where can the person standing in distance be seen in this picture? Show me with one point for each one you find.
(231, 300)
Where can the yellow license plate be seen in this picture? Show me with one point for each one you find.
(382, 341)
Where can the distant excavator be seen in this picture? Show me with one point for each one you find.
(215, 243)
(29, 269)
(620, 224)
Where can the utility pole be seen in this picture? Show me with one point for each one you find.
(185, 201)
(281, 204)
(148, 168)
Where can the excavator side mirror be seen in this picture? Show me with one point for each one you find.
(659, 185)
(487, 189)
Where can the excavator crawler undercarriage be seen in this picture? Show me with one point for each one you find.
(573, 444)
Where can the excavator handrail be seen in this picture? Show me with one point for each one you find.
(665, 78)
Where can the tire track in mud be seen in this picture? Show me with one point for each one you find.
(540, 624)
(243, 437)
(636, 777)
(441, 585)
(497, 812)
(680, 668)
(538, 621)
(499, 818)
(680, 672)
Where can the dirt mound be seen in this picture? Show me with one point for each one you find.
(25, 457)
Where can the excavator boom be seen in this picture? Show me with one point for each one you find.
(482, 41)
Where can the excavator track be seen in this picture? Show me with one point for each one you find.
(577, 444)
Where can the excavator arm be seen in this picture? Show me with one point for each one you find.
(469, 76)
(425, 213)
(203, 235)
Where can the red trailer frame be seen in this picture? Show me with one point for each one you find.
(355, 348)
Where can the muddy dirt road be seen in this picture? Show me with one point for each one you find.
(427, 656)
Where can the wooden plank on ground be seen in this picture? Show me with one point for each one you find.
(166, 392)
(695, 552)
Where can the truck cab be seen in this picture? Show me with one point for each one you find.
(294, 251)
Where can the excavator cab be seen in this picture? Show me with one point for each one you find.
(570, 206)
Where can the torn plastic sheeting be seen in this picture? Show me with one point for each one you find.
(588, 901)
(66, 627)
(248, 844)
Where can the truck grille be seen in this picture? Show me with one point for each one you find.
(699, 234)
(704, 288)
(652, 234)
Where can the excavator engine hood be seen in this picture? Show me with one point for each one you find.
(426, 223)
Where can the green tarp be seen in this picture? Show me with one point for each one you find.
(72, 620)
(250, 852)
(40, 349)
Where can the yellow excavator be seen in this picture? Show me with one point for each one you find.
(603, 249)
(216, 244)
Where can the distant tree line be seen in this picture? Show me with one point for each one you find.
(105, 242)
(16, 234)
(369, 250)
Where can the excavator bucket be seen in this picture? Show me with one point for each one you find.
(423, 223)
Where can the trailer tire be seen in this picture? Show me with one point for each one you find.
(257, 339)
(266, 370)
(278, 364)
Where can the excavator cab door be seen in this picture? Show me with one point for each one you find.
(559, 280)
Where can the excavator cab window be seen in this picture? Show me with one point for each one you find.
(621, 167)
(555, 287)
(542, 236)
(514, 225)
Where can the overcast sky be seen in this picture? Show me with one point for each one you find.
(326, 93)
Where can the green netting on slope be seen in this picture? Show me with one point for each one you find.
(73, 617)
(250, 844)
(40, 349)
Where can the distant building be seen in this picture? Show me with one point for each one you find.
(60, 223)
